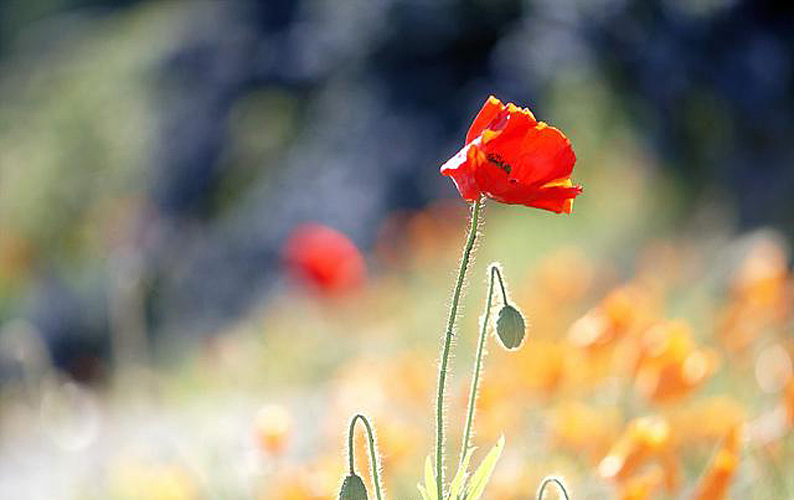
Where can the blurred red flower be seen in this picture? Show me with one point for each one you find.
(513, 158)
(325, 259)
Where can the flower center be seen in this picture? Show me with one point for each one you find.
(497, 160)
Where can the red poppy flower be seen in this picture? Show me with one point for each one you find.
(513, 158)
(325, 259)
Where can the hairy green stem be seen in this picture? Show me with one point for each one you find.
(442, 373)
(548, 481)
(373, 454)
(475, 380)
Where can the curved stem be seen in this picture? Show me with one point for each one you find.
(546, 482)
(442, 373)
(475, 381)
(373, 454)
(495, 270)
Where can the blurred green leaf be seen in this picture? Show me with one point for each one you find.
(459, 481)
(483, 473)
(429, 490)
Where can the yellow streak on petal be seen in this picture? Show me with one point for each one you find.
(475, 154)
(489, 135)
(564, 182)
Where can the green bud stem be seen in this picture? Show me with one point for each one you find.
(373, 453)
(548, 481)
(442, 373)
(478, 358)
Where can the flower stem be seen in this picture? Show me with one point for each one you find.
(442, 373)
(547, 482)
(373, 454)
(475, 381)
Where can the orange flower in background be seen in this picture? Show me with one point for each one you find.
(644, 485)
(670, 365)
(312, 481)
(539, 371)
(706, 420)
(788, 402)
(272, 427)
(583, 429)
(715, 482)
(762, 295)
(325, 259)
(626, 309)
(762, 281)
(646, 440)
(513, 158)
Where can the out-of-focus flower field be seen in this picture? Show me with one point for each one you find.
(643, 356)
(223, 233)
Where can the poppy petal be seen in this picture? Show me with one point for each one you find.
(549, 144)
(511, 157)
(490, 110)
(460, 168)
(556, 199)
(536, 154)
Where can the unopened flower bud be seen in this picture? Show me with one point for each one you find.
(353, 489)
(510, 327)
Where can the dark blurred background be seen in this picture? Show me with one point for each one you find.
(155, 155)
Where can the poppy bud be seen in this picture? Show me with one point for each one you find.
(353, 489)
(510, 327)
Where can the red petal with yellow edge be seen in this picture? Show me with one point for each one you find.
(490, 110)
(511, 157)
